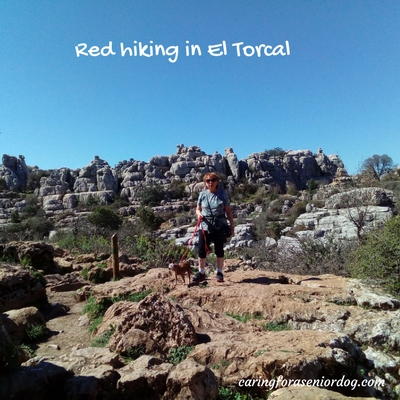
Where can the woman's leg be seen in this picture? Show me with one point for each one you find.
(219, 251)
(203, 243)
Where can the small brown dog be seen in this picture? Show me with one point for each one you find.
(180, 269)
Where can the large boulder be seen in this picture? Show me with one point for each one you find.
(19, 287)
(38, 254)
(153, 326)
(144, 378)
(191, 380)
(18, 322)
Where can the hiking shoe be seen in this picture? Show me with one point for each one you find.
(220, 277)
(199, 277)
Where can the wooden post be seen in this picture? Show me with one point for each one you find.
(114, 243)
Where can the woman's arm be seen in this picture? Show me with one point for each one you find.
(228, 212)
(198, 212)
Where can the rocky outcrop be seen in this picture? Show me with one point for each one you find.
(97, 176)
(19, 287)
(63, 189)
(291, 167)
(165, 328)
(347, 215)
(14, 172)
(364, 197)
(330, 320)
(38, 254)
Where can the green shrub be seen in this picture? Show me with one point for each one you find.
(104, 338)
(34, 178)
(153, 251)
(12, 355)
(177, 189)
(104, 217)
(91, 202)
(14, 217)
(134, 353)
(34, 228)
(242, 318)
(277, 326)
(179, 354)
(82, 240)
(312, 185)
(275, 152)
(36, 331)
(120, 201)
(151, 196)
(244, 191)
(312, 257)
(148, 218)
(377, 258)
(232, 393)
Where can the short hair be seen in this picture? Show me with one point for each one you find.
(210, 175)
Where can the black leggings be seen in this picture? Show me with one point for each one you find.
(218, 244)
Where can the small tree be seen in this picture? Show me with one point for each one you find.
(148, 218)
(377, 259)
(151, 196)
(377, 165)
(103, 217)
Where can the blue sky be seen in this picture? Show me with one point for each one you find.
(339, 89)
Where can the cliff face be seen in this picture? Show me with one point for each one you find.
(188, 164)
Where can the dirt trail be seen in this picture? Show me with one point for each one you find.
(67, 332)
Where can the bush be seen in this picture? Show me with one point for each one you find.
(35, 332)
(102, 340)
(155, 252)
(91, 202)
(312, 185)
(148, 218)
(177, 189)
(312, 257)
(244, 191)
(151, 196)
(82, 241)
(104, 217)
(377, 258)
(34, 178)
(275, 152)
(179, 354)
(34, 228)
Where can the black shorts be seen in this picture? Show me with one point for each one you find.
(209, 238)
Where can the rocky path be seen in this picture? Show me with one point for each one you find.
(67, 332)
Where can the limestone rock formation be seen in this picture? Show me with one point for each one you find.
(14, 171)
(347, 214)
(97, 176)
(19, 287)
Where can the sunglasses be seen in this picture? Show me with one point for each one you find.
(211, 180)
